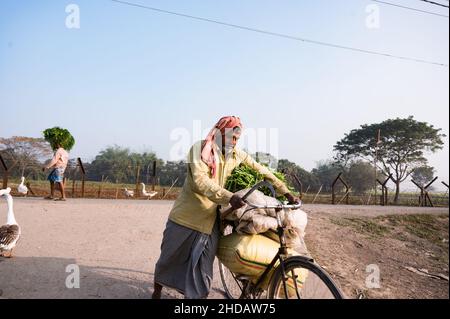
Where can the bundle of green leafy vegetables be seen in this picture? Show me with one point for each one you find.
(243, 177)
(57, 136)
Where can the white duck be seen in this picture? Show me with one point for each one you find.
(128, 193)
(146, 194)
(9, 233)
(22, 189)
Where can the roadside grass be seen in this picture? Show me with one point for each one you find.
(433, 228)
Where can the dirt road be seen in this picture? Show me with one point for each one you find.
(116, 243)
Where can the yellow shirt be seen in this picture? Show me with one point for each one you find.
(197, 203)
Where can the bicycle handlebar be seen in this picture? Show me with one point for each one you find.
(254, 188)
(281, 206)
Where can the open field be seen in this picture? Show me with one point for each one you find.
(117, 243)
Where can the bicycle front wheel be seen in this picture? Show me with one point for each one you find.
(302, 279)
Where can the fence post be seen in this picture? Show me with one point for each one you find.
(154, 176)
(315, 197)
(421, 197)
(333, 195)
(100, 188)
(427, 196)
(83, 173)
(138, 170)
(30, 189)
(5, 173)
(73, 188)
(384, 191)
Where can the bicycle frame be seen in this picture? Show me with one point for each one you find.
(282, 253)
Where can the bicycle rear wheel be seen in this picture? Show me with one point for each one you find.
(304, 280)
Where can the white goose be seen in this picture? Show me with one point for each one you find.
(146, 194)
(9, 233)
(22, 189)
(128, 193)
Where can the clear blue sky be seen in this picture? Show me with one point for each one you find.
(130, 76)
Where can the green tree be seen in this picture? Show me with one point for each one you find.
(360, 175)
(423, 174)
(326, 172)
(173, 172)
(400, 149)
(308, 179)
(118, 164)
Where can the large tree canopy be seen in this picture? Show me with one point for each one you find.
(397, 146)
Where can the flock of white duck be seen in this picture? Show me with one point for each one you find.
(10, 232)
(144, 193)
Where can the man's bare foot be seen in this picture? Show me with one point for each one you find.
(60, 199)
(49, 198)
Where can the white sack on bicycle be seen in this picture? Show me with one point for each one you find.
(259, 221)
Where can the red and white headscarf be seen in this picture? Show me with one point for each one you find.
(208, 152)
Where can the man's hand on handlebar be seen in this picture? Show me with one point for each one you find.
(292, 199)
(236, 202)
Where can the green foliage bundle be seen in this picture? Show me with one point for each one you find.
(59, 136)
(244, 177)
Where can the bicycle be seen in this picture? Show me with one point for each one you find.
(295, 277)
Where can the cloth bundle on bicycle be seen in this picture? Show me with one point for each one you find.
(250, 255)
(258, 221)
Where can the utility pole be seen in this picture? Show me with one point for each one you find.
(376, 160)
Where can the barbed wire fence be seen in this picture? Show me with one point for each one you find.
(167, 184)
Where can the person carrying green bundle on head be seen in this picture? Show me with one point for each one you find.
(61, 141)
(191, 237)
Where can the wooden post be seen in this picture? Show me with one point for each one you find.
(347, 190)
(384, 191)
(333, 194)
(138, 170)
(422, 196)
(73, 188)
(173, 184)
(427, 195)
(320, 189)
(299, 182)
(100, 188)
(154, 176)
(5, 173)
(30, 189)
(383, 195)
(83, 173)
(307, 189)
